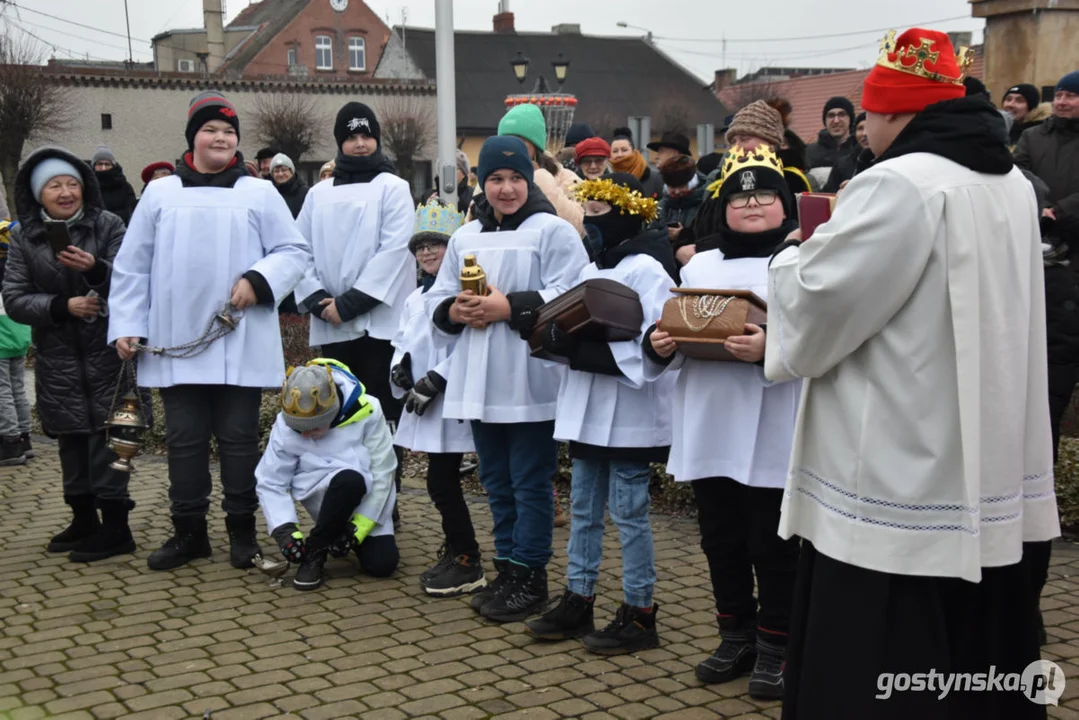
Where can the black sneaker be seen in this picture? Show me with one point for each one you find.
(735, 656)
(12, 452)
(463, 574)
(446, 558)
(309, 575)
(481, 598)
(27, 446)
(571, 618)
(766, 682)
(524, 593)
(632, 630)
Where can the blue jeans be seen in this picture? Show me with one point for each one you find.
(623, 486)
(518, 462)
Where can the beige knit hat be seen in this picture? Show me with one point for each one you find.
(758, 119)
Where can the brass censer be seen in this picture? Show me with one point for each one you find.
(475, 279)
(125, 426)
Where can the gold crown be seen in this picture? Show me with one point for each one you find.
(912, 60)
(628, 201)
(290, 399)
(739, 159)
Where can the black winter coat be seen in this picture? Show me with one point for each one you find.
(294, 191)
(76, 370)
(826, 152)
(1051, 151)
(117, 193)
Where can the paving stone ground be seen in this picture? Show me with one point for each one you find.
(115, 640)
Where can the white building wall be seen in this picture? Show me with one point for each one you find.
(148, 123)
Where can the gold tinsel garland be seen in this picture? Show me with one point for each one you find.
(619, 196)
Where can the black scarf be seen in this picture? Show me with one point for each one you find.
(652, 243)
(111, 179)
(968, 131)
(614, 227)
(746, 245)
(227, 178)
(351, 169)
(536, 203)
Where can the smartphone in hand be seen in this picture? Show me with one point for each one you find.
(57, 234)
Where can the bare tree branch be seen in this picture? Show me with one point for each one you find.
(672, 115)
(32, 105)
(408, 130)
(290, 123)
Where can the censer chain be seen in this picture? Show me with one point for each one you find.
(219, 326)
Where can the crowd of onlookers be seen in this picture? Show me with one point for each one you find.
(413, 358)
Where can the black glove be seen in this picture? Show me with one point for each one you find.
(557, 341)
(426, 390)
(401, 373)
(290, 541)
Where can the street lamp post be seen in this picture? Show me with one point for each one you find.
(647, 37)
(557, 107)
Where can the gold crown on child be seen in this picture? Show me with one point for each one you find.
(438, 217)
(319, 398)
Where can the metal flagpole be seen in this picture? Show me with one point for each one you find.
(446, 102)
(130, 54)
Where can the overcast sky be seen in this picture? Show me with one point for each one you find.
(691, 31)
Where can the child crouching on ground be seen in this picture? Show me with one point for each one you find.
(331, 450)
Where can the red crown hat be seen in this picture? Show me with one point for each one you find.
(915, 70)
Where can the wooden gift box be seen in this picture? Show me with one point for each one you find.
(598, 309)
(702, 338)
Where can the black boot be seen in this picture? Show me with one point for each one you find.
(27, 446)
(735, 655)
(483, 596)
(632, 630)
(523, 594)
(188, 542)
(82, 526)
(766, 682)
(571, 618)
(309, 575)
(243, 544)
(113, 537)
(11, 452)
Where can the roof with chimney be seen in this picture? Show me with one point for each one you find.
(271, 16)
(807, 95)
(613, 78)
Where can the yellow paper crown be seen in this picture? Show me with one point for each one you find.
(912, 60)
(738, 158)
(291, 397)
(628, 201)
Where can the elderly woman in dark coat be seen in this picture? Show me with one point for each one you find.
(62, 296)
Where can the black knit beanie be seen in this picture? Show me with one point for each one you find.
(355, 117)
(1029, 92)
(207, 106)
(841, 103)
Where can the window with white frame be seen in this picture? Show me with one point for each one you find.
(323, 52)
(357, 54)
(292, 57)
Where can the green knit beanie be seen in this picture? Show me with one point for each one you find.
(525, 121)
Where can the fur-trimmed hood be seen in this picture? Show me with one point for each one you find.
(27, 206)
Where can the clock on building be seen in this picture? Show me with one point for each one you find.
(339, 5)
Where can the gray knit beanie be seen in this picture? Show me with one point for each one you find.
(102, 154)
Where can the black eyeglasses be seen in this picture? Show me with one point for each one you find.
(763, 197)
(427, 247)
